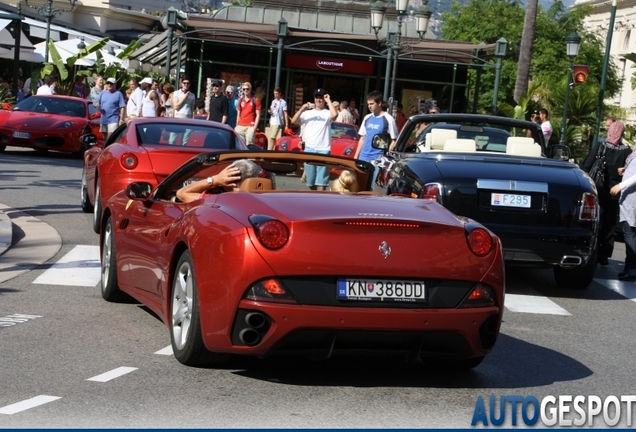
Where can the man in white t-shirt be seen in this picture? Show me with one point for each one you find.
(135, 101)
(48, 88)
(316, 124)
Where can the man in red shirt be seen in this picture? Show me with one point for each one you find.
(248, 114)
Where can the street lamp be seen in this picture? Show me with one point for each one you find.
(573, 42)
(500, 53)
(282, 34)
(49, 12)
(394, 43)
(81, 45)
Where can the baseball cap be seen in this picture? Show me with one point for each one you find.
(320, 92)
(146, 80)
(230, 89)
(111, 80)
(217, 83)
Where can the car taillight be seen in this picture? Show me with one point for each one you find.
(589, 207)
(482, 295)
(479, 241)
(129, 161)
(433, 191)
(269, 290)
(272, 233)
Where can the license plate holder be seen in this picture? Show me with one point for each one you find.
(499, 199)
(381, 290)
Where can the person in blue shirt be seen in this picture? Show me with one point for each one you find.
(376, 122)
(111, 104)
(232, 102)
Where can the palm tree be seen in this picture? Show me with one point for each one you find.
(525, 54)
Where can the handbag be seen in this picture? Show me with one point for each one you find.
(598, 170)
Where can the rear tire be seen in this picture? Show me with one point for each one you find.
(97, 209)
(85, 203)
(110, 285)
(580, 277)
(185, 322)
(2, 148)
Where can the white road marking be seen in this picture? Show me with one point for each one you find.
(165, 351)
(27, 404)
(625, 288)
(115, 373)
(11, 320)
(533, 304)
(80, 267)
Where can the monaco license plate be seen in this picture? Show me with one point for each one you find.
(509, 200)
(381, 290)
(23, 135)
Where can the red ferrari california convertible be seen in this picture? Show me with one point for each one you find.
(146, 149)
(49, 123)
(272, 267)
(344, 140)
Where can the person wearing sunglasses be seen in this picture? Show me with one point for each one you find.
(111, 104)
(182, 100)
(218, 103)
(249, 114)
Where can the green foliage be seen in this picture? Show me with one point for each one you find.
(5, 95)
(549, 64)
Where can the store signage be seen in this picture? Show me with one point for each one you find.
(329, 64)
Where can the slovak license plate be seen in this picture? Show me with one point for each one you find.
(381, 290)
(509, 200)
(23, 135)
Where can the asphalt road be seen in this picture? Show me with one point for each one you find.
(579, 343)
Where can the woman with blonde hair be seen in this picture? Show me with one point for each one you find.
(346, 183)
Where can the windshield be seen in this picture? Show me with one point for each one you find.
(53, 105)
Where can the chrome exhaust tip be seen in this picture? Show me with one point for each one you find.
(570, 261)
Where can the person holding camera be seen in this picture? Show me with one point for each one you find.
(535, 118)
(315, 119)
(182, 101)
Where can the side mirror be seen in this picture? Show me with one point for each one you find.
(560, 152)
(89, 139)
(95, 115)
(138, 190)
(381, 141)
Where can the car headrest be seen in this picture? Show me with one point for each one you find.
(256, 184)
(439, 137)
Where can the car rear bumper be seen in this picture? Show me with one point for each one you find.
(68, 143)
(323, 331)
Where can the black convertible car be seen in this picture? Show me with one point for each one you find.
(543, 207)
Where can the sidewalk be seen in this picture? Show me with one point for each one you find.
(39, 242)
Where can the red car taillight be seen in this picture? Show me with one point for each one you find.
(269, 290)
(272, 233)
(589, 207)
(433, 191)
(129, 161)
(481, 296)
(479, 241)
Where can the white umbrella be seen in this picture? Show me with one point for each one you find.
(25, 55)
(68, 48)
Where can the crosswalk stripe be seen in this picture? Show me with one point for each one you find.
(27, 404)
(165, 351)
(533, 304)
(624, 288)
(115, 373)
(80, 267)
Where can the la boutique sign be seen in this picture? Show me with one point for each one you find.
(329, 65)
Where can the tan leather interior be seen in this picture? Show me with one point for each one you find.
(256, 184)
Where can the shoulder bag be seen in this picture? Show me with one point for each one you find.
(598, 171)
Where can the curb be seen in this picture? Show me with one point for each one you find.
(38, 244)
(6, 229)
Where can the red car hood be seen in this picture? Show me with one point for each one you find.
(423, 238)
(19, 120)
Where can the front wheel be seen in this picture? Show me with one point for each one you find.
(185, 322)
(85, 203)
(97, 210)
(579, 277)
